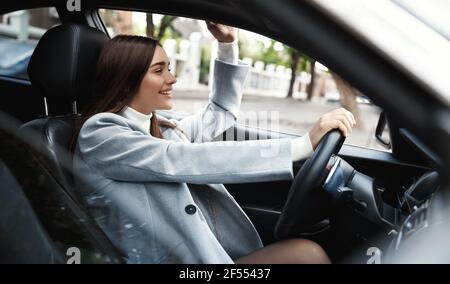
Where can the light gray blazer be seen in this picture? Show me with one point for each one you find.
(162, 200)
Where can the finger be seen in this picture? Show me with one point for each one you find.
(214, 31)
(351, 117)
(209, 26)
(212, 27)
(348, 114)
(342, 128)
(347, 122)
(354, 120)
(218, 29)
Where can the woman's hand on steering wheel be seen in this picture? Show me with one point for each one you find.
(339, 118)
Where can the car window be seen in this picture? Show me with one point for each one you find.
(271, 99)
(19, 34)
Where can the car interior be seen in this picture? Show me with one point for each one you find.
(347, 198)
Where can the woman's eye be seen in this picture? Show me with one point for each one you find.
(158, 71)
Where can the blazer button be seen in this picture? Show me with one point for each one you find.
(190, 209)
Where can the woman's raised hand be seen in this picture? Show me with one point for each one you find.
(339, 118)
(222, 32)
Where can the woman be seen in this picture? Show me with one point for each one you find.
(154, 184)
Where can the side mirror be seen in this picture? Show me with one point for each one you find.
(382, 131)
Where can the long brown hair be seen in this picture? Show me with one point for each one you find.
(121, 66)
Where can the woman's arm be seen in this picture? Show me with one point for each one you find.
(108, 145)
(221, 111)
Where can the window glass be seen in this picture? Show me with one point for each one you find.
(271, 99)
(19, 34)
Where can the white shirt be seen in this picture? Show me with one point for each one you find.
(301, 148)
(227, 52)
(141, 119)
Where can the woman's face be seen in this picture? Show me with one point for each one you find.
(155, 90)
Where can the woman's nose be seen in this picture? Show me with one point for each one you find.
(172, 79)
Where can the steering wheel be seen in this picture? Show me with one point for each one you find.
(306, 206)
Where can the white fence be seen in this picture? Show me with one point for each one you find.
(273, 80)
(185, 63)
(16, 24)
(270, 80)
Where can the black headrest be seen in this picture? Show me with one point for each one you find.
(63, 64)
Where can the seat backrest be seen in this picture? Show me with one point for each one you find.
(39, 220)
(53, 139)
(62, 70)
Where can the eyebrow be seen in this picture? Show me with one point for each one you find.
(160, 63)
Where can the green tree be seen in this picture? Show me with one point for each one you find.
(272, 56)
(159, 32)
(204, 63)
(312, 71)
(165, 25)
(287, 56)
(150, 30)
(300, 62)
(295, 56)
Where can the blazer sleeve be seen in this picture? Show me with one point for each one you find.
(221, 111)
(108, 145)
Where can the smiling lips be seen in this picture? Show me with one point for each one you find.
(167, 92)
